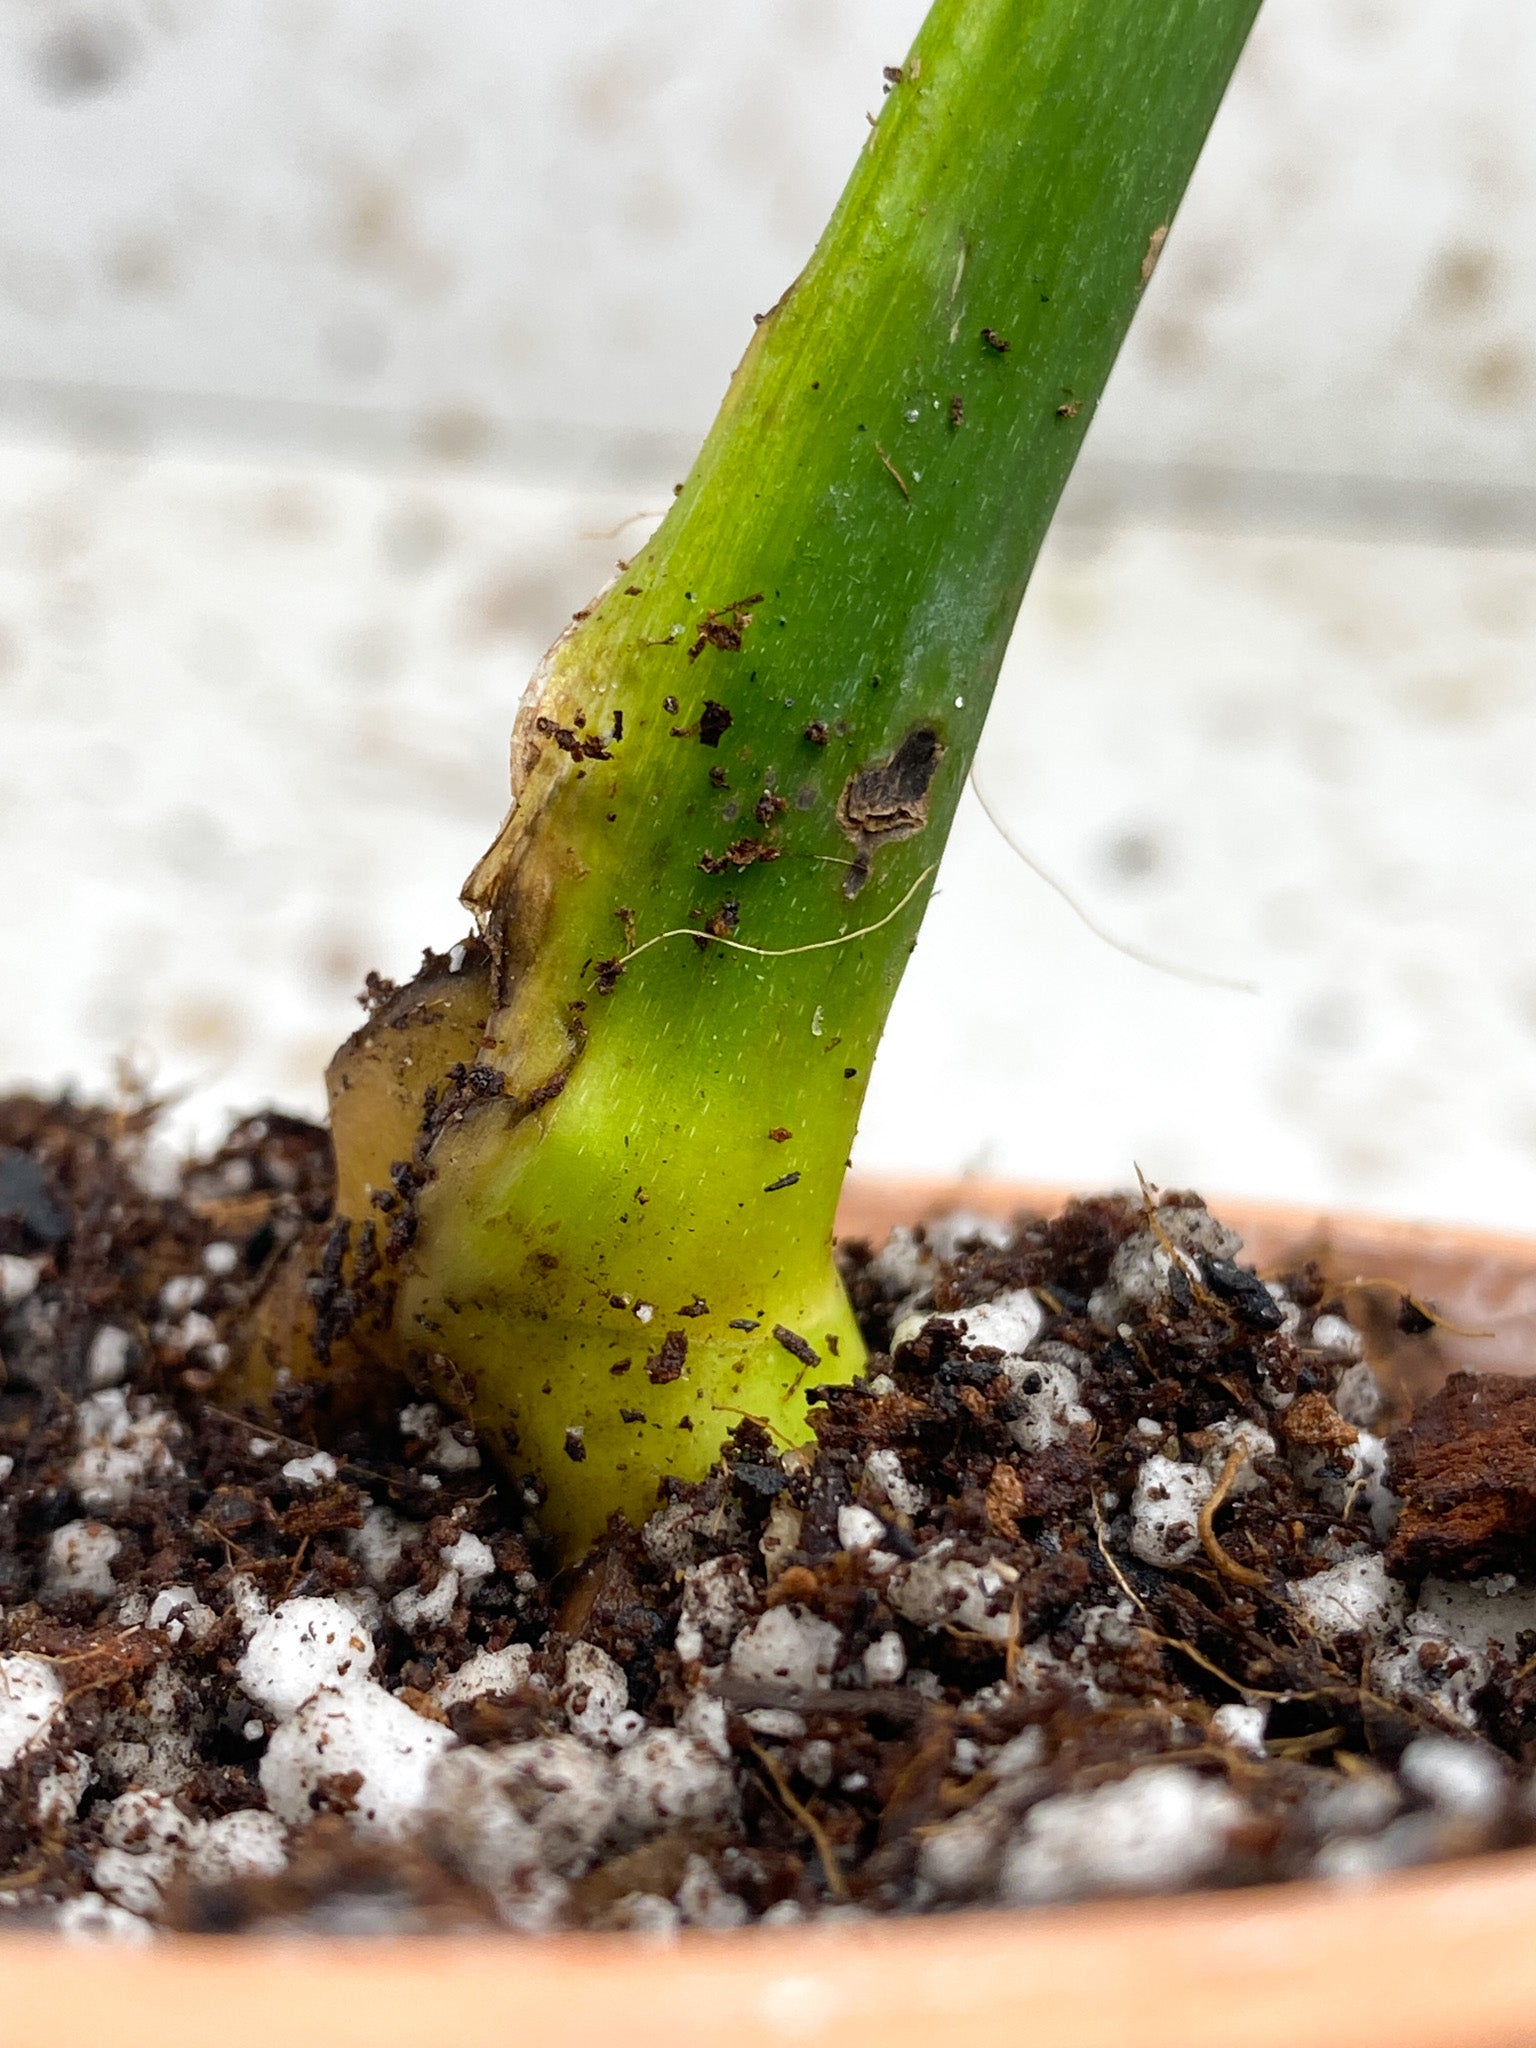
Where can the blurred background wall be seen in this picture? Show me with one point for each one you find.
(344, 344)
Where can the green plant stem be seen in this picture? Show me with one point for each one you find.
(832, 591)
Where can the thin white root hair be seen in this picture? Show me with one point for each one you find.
(1196, 975)
(689, 931)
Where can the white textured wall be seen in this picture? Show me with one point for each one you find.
(338, 336)
(523, 225)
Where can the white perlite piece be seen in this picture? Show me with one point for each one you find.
(308, 1664)
(318, 1469)
(779, 1724)
(1440, 1656)
(245, 1844)
(884, 1476)
(1155, 1831)
(122, 1448)
(154, 1747)
(1046, 1388)
(522, 1820)
(705, 1719)
(1454, 1776)
(667, 1780)
(1333, 1334)
(885, 1661)
(471, 1557)
(1138, 1273)
(719, 1600)
(248, 1601)
(144, 1832)
(420, 1612)
(1369, 1464)
(1416, 1838)
(941, 1590)
(79, 1560)
(424, 1422)
(466, 1562)
(903, 1266)
(946, 1233)
(1361, 1484)
(362, 1730)
(1422, 1665)
(704, 1901)
(106, 1362)
(487, 1673)
(59, 1794)
(300, 1647)
(956, 1858)
(596, 1692)
(90, 1919)
(139, 1821)
(1009, 1323)
(959, 1858)
(178, 1611)
(859, 1529)
(1354, 1596)
(1231, 1433)
(1480, 1614)
(181, 1292)
(378, 1544)
(646, 1914)
(31, 1693)
(1022, 1752)
(1290, 1314)
(1165, 1510)
(18, 1278)
(1040, 1674)
(1241, 1727)
(787, 1646)
(1355, 1806)
(1359, 1396)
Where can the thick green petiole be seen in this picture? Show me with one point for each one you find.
(734, 776)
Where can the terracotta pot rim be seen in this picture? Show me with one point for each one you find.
(988, 1195)
(1441, 1957)
(1429, 1958)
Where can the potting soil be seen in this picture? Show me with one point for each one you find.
(1122, 1570)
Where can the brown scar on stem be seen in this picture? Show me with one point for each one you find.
(887, 800)
(1155, 242)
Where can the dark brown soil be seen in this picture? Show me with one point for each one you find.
(1110, 1576)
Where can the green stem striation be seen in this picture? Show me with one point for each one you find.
(759, 732)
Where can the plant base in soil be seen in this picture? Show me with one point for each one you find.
(1122, 1570)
